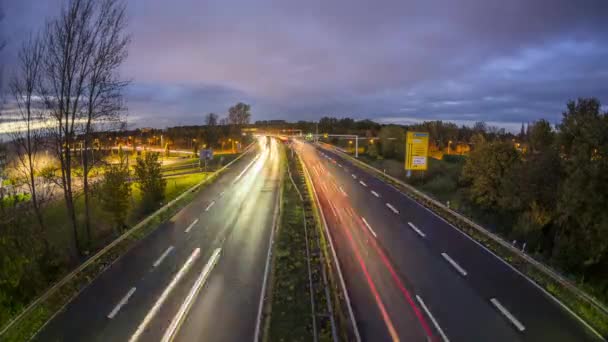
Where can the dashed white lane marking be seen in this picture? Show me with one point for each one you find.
(363, 183)
(339, 165)
(187, 304)
(222, 193)
(333, 209)
(507, 314)
(454, 264)
(190, 226)
(162, 256)
(159, 302)
(375, 194)
(428, 313)
(210, 205)
(416, 229)
(390, 206)
(354, 176)
(369, 227)
(122, 303)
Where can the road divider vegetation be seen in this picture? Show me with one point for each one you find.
(301, 306)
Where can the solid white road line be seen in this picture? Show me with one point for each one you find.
(428, 313)
(162, 256)
(246, 168)
(354, 176)
(390, 206)
(190, 226)
(343, 192)
(507, 314)
(122, 303)
(362, 183)
(369, 227)
(454, 263)
(187, 304)
(375, 194)
(159, 302)
(414, 228)
(210, 205)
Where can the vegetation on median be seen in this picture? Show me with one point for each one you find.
(290, 318)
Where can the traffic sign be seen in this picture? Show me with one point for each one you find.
(205, 154)
(416, 151)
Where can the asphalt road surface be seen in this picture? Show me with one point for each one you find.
(413, 277)
(198, 277)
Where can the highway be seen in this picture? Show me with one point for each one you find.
(413, 277)
(198, 277)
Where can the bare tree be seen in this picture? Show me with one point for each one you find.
(84, 47)
(104, 87)
(239, 114)
(29, 139)
(211, 119)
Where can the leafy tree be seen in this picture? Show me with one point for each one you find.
(541, 136)
(581, 242)
(486, 172)
(392, 138)
(150, 181)
(211, 121)
(114, 193)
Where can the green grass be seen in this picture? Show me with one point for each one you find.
(291, 308)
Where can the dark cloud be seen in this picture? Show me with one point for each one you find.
(503, 61)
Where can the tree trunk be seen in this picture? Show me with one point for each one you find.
(66, 173)
(85, 189)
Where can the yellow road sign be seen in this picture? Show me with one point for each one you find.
(416, 151)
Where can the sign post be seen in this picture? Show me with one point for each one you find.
(204, 155)
(416, 152)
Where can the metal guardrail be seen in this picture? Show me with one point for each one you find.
(334, 256)
(539, 266)
(104, 250)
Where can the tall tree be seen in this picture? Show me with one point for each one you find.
(29, 140)
(115, 191)
(541, 136)
(83, 48)
(211, 121)
(103, 91)
(150, 181)
(486, 170)
(583, 219)
(392, 138)
(239, 114)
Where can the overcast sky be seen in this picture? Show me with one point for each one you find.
(396, 60)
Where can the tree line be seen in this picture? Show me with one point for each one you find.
(555, 191)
